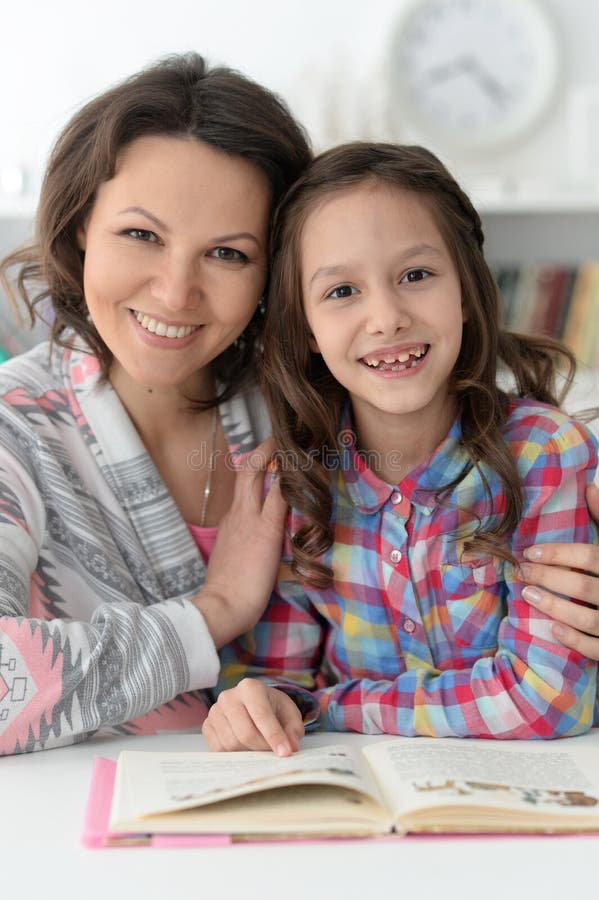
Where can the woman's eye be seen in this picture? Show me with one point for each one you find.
(415, 275)
(141, 234)
(341, 292)
(228, 253)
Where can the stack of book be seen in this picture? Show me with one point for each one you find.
(557, 301)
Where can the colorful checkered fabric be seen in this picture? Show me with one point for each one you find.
(413, 640)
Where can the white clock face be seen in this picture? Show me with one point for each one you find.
(472, 73)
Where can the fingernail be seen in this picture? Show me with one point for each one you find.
(525, 572)
(559, 631)
(533, 553)
(532, 595)
(283, 750)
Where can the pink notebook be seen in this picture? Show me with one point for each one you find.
(97, 815)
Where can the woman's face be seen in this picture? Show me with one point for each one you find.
(175, 258)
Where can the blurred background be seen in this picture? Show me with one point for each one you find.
(505, 91)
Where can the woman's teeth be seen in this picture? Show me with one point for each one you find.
(399, 361)
(155, 326)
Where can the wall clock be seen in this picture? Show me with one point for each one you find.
(472, 74)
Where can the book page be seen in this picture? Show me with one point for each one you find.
(421, 772)
(149, 783)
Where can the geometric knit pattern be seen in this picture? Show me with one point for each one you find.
(97, 566)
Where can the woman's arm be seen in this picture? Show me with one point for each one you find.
(63, 679)
(573, 571)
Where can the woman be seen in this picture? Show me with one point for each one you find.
(116, 441)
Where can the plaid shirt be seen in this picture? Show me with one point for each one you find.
(411, 639)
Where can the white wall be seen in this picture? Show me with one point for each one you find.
(326, 57)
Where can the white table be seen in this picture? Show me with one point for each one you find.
(43, 796)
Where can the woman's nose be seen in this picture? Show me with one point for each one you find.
(387, 313)
(176, 286)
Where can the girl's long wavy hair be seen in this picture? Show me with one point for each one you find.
(305, 399)
(179, 96)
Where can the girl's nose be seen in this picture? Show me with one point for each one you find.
(387, 313)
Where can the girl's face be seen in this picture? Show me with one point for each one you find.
(175, 258)
(383, 301)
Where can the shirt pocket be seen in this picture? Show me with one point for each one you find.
(474, 596)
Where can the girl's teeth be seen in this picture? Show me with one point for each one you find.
(399, 359)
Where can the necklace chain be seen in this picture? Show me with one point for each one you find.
(208, 486)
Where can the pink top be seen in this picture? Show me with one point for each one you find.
(204, 538)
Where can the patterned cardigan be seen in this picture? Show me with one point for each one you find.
(97, 566)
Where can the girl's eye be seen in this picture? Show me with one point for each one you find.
(141, 234)
(341, 292)
(415, 275)
(228, 253)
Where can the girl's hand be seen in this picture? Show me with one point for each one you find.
(572, 570)
(246, 556)
(253, 716)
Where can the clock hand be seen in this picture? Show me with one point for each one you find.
(470, 66)
(447, 70)
(488, 84)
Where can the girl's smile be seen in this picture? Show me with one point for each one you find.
(396, 361)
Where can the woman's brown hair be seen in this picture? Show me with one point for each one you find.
(305, 399)
(179, 96)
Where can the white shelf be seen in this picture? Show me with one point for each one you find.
(536, 204)
(487, 202)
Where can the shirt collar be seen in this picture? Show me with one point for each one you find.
(369, 493)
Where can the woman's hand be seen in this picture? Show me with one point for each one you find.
(253, 716)
(572, 570)
(246, 556)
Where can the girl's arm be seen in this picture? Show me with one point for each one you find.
(531, 687)
(61, 680)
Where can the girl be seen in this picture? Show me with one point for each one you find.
(415, 481)
(151, 250)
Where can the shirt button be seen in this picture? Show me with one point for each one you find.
(409, 626)
(427, 511)
(395, 556)
(396, 498)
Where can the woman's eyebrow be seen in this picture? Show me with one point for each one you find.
(239, 235)
(148, 215)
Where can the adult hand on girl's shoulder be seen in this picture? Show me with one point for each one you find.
(254, 716)
(571, 570)
(246, 556)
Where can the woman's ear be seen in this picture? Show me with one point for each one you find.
(81, 235)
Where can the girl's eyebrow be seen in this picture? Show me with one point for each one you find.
(417, 250)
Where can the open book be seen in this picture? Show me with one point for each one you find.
(398, 786)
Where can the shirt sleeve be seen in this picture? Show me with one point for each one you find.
(530, 687)
(61, 680)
